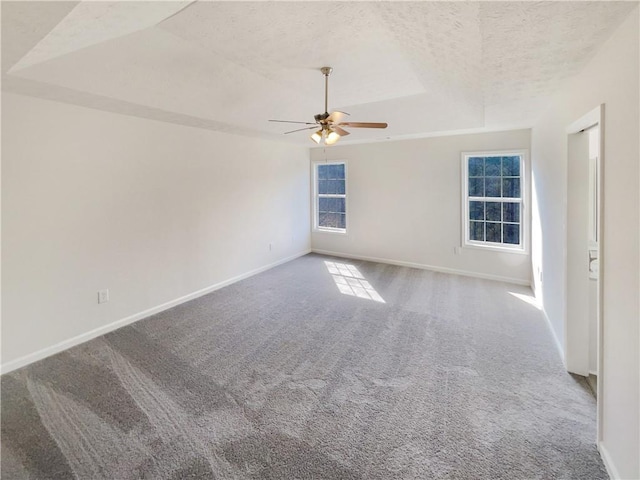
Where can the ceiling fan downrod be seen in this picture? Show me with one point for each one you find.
(326, 71)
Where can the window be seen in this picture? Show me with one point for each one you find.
(493, 187)
(330, 181)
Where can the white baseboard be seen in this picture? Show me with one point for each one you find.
(608, 463)
(72, 342)
(400, 263)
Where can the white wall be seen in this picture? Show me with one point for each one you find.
(611, 77)
(404, 204)
(152, 211)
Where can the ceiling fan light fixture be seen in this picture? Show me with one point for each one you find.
(332, 137)
(317, 136)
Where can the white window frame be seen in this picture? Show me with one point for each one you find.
(524, 192)
(317, 196)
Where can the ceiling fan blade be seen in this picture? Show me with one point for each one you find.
(336, 116)
(340, 131)
(363, 125)
(288, 121)
(300, 129)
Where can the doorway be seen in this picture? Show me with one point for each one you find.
(583, 317)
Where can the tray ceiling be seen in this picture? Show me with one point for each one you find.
(423, 67)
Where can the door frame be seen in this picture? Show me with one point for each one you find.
(591, 119)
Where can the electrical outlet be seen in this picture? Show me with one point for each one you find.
(103, 296)
(270, 246)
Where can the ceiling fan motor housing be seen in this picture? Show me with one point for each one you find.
(321, 116)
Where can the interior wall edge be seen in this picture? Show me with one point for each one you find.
(556, 340)
(104, 329)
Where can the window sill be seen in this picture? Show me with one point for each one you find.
(334, 231)
(496, 248)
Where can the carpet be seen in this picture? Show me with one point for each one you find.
(322, 368)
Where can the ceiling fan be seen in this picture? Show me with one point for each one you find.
(330, 124)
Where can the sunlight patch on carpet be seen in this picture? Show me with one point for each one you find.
(351, 282)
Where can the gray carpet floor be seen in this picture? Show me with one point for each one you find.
(321, 368)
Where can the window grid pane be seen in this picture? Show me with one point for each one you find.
(494, 232)
(493, 187)
(476, 231)
(476, 210)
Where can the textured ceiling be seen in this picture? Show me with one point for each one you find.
(90, 23)
(423, 67)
